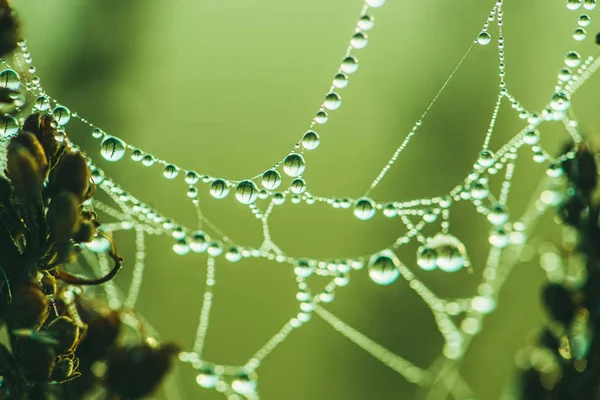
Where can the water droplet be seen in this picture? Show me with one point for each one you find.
(531, 137)
(170, 171)
(484, 38)
(340, 80)
(383, 268)
(278, 199)
(97, 176)
(479, 190)
(244, 384)
(9, 79)
(42, 103)
(148, 160)
(233, 255)
(359, 40)
(572, 59)
(192, 192)
(303, 269)
(366, 22)
(564, 74)
(99, 244)
(112, 148)
(298, 186)
(271, 179)
(560, 101)
(579, 34)
(573, 4)
(450, 252)
(137, 155)
(333, 101)
(62, 115)
(191, 178)
(199, 242)
(498, 238)
(349, 65)
(207, 378)
(554, 170)
(246, 192)
(219, 189)
(215, 248)
(390, 210)
(364, 208)
(486, 158)
(583, 20)
(375, 3)
(181, 247)
(426, 258)
(311, 140)
(8, 126)
(294, 165)
(589, 4)
(498, 215)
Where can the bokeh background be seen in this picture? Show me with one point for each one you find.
(227, 87)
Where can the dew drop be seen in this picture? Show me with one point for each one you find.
(233, 254)
(303, 268)
(486, 158)
(99, 244)
(383, 268)
(62, 115)
(271, 179)
(564, 74)
(246, 192)
(560, 101)
(148, 160)
(366, 22)
(8, 126)
(170, 171)
(498, 215)
(137, 155)
(573, 4)
(112, 148)
(42, 103)
(579, 34)
(214, 248)
(479, 190)
(298, 186)
(572, 59)
(219, 189)
(531, 137)
(294, 165)
(9, 79)
(589, 4)
(333, 101)
(207, 378)
(450, 252)
(340, 80)
(349, 65)
(375, 3)
(498, 238)
(583, 20)
(181, 247)
(359, 40)
(311, 140)
(191, 178)
(97, 176)
(426, 258)
(199, 242)
(484, 38)
(192, 192)
(364, 208)
(244, 384)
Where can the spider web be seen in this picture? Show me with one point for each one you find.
(427, 244)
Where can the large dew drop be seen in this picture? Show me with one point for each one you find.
(449, 253)
(8, 126)
(244, 384)
(246, 192)
(112, 148)
(383, 268)
(62, 115)
(364, 208)
(560, 101)
(271, 179)
(333, 101)
(294, 165)
(311, 140)
(9, 79)
(484, 38)
(375, 3)
(219, 189)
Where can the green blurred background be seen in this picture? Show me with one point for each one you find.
(227, 87)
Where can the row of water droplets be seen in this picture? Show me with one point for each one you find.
(443, 250)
